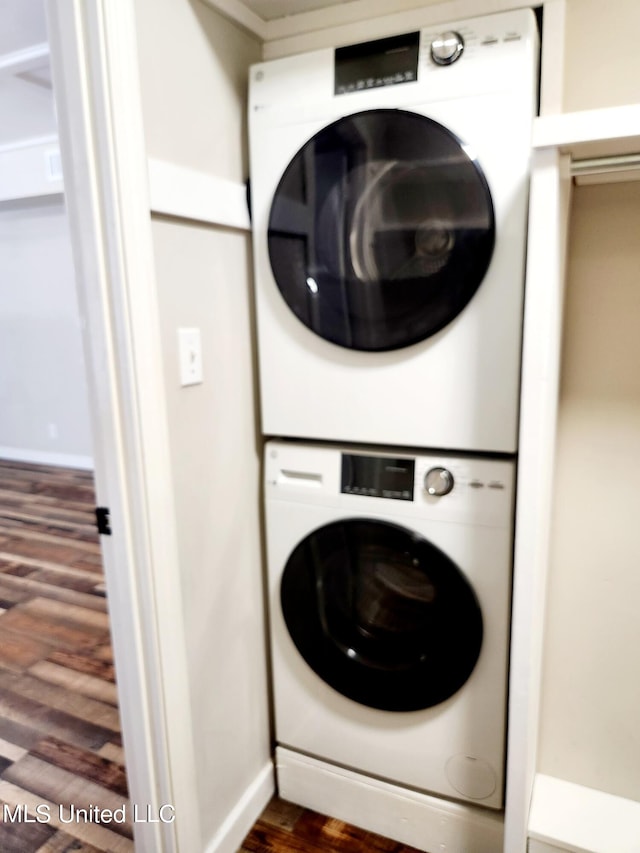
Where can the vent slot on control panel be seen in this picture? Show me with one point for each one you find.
(300, 478)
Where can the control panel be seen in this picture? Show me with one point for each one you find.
(398, 59)
(462, 489)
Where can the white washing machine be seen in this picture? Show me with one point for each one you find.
(389, 197)
(389, 592)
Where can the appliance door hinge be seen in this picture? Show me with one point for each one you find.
(103, 522)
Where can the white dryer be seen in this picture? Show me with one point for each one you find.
(389, 592)
(389, 197)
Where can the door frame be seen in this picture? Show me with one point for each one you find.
(95, 71)
(549, 210)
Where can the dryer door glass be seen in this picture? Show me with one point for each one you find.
(381, 230)
(381, 614)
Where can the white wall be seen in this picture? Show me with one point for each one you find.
(203, 277)
(591, 688)
(43, 398)
(602, 66)
(26, 108)
(193, 67)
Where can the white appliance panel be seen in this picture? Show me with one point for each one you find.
(455, 748)
(458, 388)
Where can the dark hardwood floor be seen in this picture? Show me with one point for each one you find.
(60, 742)
(286, 828)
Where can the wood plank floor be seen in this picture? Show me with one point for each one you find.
(286, 828)
(60, 742)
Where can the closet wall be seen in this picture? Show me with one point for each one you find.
(193, 67)
(602, 66)
(591, 692)
(590, 689)
(44, 415)
(43, 394)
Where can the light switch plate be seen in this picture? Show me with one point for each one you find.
(190, 354)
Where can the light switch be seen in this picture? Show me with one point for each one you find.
(190, 353)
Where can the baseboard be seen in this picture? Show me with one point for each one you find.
(244, 814)
(43, 457)
(570, 818)
(420, 820)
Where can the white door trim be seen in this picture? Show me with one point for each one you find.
(94, 62)
(549, 209)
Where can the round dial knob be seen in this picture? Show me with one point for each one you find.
(438, 482)
(447, 47)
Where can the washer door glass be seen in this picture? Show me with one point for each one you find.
(381, 230)
(381, 614)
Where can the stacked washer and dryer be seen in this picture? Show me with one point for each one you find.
(389, 204)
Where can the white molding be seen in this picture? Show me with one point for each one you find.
(26, 169)
(404, 815)
(94, 61)
(24, 60)
(542, 338)
(243, 815)
(45, 457)
(591, 133)
(189, 194)
(583, 820)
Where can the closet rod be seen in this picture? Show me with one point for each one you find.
(627, 166)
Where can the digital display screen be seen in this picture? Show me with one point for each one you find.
(384, 62)
(377, 477)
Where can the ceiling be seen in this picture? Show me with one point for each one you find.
(26, 98)
(278, 23)
(269, 10)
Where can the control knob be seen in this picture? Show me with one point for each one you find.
(447, 47)
(438, 482)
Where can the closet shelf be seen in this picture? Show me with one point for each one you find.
(591, 134)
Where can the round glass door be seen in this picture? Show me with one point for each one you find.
(381, 230)
(381, 614)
